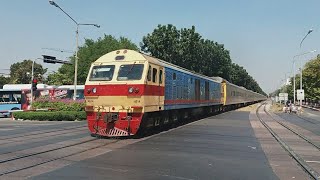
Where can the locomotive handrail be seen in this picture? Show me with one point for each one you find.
(113, 82)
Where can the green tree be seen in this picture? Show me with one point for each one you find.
(311, 79)
(163, 43)
(4, 80)
(187, 48)
(20, 72)
(88, 53)
(58, 79)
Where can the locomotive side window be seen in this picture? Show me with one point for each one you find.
(130, 72)
(149, 74)
(206, 90)
(174, 77)
(160, 77)
(102, 73)
(154, 75)
(197, 89)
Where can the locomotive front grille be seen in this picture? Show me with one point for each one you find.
(111, 117)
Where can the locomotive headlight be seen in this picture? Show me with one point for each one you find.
(130, 90)
(94, 90)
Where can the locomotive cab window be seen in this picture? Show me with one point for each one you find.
(102, 73)
(149, 74)
(130, 72)
(154, 75)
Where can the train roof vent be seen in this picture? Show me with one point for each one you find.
(219, 79)
(119, 58)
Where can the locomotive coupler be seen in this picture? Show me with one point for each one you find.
(110, 117)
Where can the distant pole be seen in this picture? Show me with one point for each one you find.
(32, 76)
(293, 72)
(76, 65)
(310, 31)
(294, 83)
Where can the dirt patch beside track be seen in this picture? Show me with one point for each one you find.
(248, 108)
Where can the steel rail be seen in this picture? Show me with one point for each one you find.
(41, 132)
(42, 152)
(43, 135)
(311, 172)
(54, 159)
(295, 132)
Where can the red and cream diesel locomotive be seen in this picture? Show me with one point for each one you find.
(128, 92)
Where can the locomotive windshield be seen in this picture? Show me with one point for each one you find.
(102, 73)
(130, 72)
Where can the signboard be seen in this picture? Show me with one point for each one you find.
(283, 96)
(300, 94)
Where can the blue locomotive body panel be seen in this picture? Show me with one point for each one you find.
(186, 90)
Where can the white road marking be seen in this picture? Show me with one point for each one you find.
(313, 161)
(274, 164)
(252, 147)
(111, 169)
(176, 177)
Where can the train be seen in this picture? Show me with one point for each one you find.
(128, 93)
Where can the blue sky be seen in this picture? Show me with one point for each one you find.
(262, 36)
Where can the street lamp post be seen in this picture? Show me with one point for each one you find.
(32, 78)
(77, 45)
(32, 74)
(310, 31)
(294, 76)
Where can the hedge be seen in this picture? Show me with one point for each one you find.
(59, 104)
(51, 116)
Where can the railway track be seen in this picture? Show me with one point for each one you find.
(41, 132)
(286, 135)
(29, 154)
(41, 136)
(21, 162)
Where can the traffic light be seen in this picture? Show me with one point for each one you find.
(49, 59)
(53, 60)
(34, 84)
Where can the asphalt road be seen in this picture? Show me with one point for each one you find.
(309, 119)
(219, 147)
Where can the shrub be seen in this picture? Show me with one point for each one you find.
(51, 116)
(59, 104)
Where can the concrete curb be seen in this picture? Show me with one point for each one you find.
(311, 108)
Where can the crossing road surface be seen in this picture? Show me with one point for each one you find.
(219, 147)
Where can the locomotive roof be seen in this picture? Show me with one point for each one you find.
(129, 55)
(173, 66)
